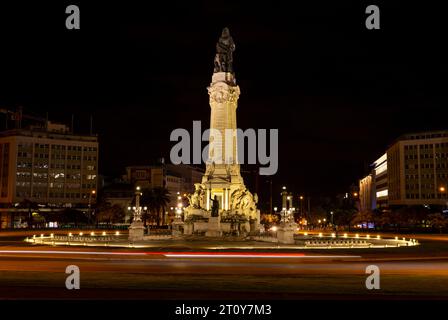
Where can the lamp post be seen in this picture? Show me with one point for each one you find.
(138, 209)
(137, 229)
(177, 223)
(442, 190)
(92, 193)
(332, 222)
(301, 206)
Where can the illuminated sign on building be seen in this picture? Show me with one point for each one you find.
(382, 193)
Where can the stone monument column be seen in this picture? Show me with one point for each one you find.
(223, 98)
(222, 180)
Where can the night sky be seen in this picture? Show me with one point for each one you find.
(337, 92)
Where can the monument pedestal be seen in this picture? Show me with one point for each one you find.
(285, 233)
(188, 228)
(136, 231)
(254, 226)
(177, 227)
(213, 227)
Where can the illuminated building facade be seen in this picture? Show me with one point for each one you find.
(50, 167)
(367, 198)
(381, 181)
(413, 171)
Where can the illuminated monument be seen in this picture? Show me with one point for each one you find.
(222, 203)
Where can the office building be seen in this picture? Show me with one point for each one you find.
(413, 171)
(49, 167)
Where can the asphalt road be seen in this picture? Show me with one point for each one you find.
(30, 272)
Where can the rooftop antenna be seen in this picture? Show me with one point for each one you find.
(72, 129)
(46, 121)
(91, 124)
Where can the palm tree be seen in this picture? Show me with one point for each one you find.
(147, 200)
(156, 199)
(161, 197)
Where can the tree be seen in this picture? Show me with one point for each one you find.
(31, 206)
(110, 214)
(156, 199)
(409, 216)
(344, 216)
(161, 200)
(438, 220)
(69, 215)
(362, 218)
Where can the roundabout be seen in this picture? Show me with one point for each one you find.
(209, 268)
(267, 241)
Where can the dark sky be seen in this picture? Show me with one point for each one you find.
(337, 92)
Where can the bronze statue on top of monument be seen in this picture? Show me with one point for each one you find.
(224, 51)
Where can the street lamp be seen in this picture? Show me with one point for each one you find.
(137, 208)
(301, 206)
(92, 193)
(442, 189)
(332, 223)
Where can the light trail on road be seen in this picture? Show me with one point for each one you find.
(184, 254)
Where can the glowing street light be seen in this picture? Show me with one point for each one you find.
(91, 194)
